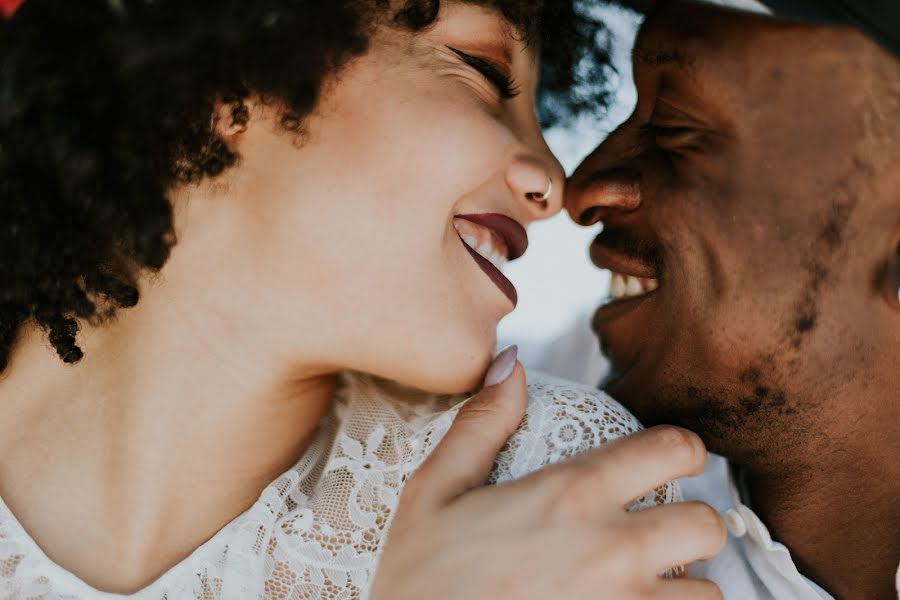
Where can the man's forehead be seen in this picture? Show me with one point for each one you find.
(685, 35)
(669, 40)
(718, 64)
(659, 55)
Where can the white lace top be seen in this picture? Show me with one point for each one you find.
(316, 531)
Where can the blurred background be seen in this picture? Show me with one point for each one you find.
(559, 288)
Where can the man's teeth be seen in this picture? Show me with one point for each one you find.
(627, 286)
(486, 250)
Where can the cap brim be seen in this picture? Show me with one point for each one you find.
(643, 6)
(879, 19)
(819, 11)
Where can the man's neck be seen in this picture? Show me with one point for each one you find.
(838, 514)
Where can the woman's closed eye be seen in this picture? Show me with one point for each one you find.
(503, 83)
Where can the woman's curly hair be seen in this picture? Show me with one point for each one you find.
(105, 105)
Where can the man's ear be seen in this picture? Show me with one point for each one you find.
(230, 119)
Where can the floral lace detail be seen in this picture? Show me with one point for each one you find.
(564, 419)
(316, 531)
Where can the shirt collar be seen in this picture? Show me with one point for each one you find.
(743, 523)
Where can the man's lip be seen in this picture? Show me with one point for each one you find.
(606, 258)
(617, 308)
(512, 233)
(496, 276)
(621, 329)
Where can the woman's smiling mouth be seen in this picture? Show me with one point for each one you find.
(492, 240)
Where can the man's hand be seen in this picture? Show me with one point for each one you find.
(562, 532)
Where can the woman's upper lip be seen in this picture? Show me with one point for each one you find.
(512, 233)
(607, 258)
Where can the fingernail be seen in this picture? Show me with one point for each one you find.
(502, 367)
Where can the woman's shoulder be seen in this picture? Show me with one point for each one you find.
(562, 419)
(560, 397)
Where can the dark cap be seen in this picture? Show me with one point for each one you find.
(879, 19)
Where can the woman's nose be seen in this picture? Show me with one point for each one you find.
(537, 185)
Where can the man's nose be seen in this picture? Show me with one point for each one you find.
(597, 190)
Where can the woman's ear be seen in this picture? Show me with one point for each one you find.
(230, 119)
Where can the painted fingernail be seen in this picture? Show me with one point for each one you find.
(502, 367)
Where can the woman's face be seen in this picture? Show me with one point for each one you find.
(352, 236)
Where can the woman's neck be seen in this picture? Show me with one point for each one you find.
(172, 424)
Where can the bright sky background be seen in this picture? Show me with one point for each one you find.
(558, 286)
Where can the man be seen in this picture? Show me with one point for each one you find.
(751, 219)
(751, 215)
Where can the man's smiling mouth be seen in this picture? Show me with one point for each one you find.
(623, 286)
(635, 266)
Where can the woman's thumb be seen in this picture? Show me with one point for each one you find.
(464, 457)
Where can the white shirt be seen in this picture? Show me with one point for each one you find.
(316, 531)
(752, 566)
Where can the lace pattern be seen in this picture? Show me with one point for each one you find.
(316, 531)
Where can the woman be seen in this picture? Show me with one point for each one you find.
(214, 211)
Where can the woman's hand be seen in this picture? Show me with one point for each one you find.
(562, 532)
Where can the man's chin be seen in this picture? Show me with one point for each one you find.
(640, 386)
(648, 412)
(725, 423)
(622, 332)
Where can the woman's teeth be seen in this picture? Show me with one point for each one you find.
(482, 241)
(627, 286)
(486, 250)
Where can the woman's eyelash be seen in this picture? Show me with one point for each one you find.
(504, 83)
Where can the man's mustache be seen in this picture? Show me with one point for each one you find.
(627, 242)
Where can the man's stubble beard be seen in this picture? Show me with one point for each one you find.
(748, 417)
(768, 411)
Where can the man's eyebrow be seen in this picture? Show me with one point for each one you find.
(662, 57)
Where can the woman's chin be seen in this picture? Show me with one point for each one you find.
(447, 373)
(461, 384)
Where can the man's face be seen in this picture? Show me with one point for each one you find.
(755, 186)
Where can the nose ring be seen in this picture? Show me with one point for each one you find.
(546, 195)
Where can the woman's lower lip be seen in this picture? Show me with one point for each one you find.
(496, 276)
